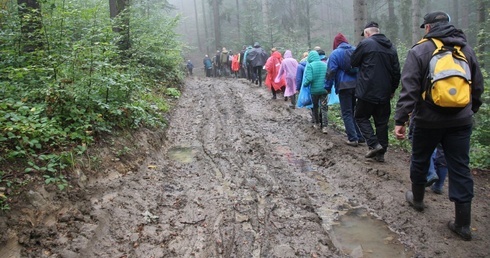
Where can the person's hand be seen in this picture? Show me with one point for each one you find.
(400, 132)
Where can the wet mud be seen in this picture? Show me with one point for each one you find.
(237, 174)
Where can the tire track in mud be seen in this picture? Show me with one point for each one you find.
(240, 175)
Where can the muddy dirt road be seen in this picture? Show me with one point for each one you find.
(240, 175)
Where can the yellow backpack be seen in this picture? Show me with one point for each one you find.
(450, 78)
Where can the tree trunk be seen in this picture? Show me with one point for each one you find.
(455, 13)
(31, 24)
(238, 20)
(308, 24)
(481, 39)
(392, 30)
(416, 18)
(197, 26)
(119, 12)
(217, 32)
(359, 19)
(205, 23)
(465, 13)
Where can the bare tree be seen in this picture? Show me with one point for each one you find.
(359, 18)
(119, 12)
(217, 25)
(416, 17)
(31, 24)
(482, 24)
(197, 26)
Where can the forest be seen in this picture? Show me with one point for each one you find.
(73, 72)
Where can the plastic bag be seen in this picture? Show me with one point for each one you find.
(332, 97)
(304, 98)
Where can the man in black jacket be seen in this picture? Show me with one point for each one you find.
(452, 130)
(377, 81)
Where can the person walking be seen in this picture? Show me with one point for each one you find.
(190, 67)
(434, 126)
(272, 67)
(377, 81)
(315, 72)
(257, 58)
(340, 72)
(288, 69)
(208, 65)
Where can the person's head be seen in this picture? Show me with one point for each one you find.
(256, 44)
(370, 29)
(339, 39)
(305, 54)
(433, 18)
(205, 55)
(317, 48)
(273, 50)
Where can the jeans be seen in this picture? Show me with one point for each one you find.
(381, 115)
(455, 142)
(347, 106)
(320, 109)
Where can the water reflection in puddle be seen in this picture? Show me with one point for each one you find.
(181, 154)
(358, 234)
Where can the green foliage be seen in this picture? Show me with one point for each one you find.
(77, 84)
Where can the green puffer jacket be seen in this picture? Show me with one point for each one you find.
(315, 73)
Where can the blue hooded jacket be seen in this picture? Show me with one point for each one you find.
(335, 74)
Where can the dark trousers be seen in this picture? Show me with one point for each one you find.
(381, 115)
(257, 72)
(455, 142)
(347, 106)
(320, 109)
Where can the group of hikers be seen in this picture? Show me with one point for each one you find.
(365, 79)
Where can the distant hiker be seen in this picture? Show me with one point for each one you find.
(189, 66)
(248, 65)
(339, 72)
(272, 67)
(257, 58)
(315, 77)
(243, 64)
(217, 64)
(208, 65)
(377, 81)
(235, 64)
(225, 62)
(288, 68)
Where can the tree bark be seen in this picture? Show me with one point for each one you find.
(217, 27)
(120, 13)
(481, 39)
(197, 26)
(31, 24)
(416, 18)
(359, 19)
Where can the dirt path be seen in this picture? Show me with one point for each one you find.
(240, 175)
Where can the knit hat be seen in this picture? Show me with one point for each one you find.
(434, 17)
(339, 39)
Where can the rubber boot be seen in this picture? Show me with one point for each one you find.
(416, 197)
(461, 224)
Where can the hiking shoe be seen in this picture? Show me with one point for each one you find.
(380, 157)
(431, 180)
(436, 190)
(274, 97)
(285, 98)
(352, 143)
(325, 130)
(372, 153)
(361, 141)
(316, 126)
(292, 106)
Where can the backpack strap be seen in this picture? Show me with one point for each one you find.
(456, 50)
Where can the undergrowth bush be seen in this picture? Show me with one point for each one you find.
(78, 84)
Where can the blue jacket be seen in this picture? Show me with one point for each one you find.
(299, 74)
(335, 74)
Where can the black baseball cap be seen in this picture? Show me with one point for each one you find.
(370, 24)
(434, 17)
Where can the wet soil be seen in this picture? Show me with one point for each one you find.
(237, 174)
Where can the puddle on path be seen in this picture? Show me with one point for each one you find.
(358, 234)
(181, 154)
